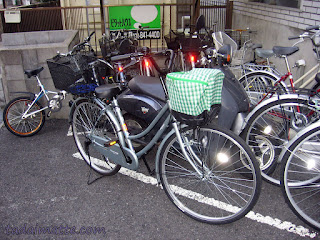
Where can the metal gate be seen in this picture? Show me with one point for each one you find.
(218, 15)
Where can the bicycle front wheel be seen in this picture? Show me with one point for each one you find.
(221, 182)
(23, 126)
(271, 127)
(300, 181)
(87, 121)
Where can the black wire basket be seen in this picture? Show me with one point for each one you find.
(108, 47)
(174, 39)
(67, 70)
(190, 44)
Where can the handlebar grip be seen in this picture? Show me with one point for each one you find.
(292, 38)
(315, 27)
(141, 28)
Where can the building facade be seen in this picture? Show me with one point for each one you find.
(275, 21)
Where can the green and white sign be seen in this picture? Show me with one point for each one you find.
(132, 17)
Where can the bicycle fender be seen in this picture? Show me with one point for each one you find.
(32, 95)
(73, 107)
(288, 145)
(159, 152)
(260, 71)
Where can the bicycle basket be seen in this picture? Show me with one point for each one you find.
(191, 44)
(108, 46)
(195, 95)
(66, 70)
(173, 40)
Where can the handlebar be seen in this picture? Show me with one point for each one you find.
(89, 37)
(142, 28)
(292, 38)
(80, 46)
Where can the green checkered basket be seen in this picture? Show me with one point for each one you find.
(195, 94)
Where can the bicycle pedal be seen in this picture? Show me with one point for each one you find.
(49, 114)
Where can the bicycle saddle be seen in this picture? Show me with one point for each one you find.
(285, 51)
(264, 53)
(108, 91)
(33, 72)
(257, 45)
(150, 86)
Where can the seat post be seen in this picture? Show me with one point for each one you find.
(287, 63)
(289, 73)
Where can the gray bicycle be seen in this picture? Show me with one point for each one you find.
(210, 174)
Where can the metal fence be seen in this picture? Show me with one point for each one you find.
(96, 18)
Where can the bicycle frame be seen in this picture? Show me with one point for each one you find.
(43, 92)
(124, 139)
(273, 99)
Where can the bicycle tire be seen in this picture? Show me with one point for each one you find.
(270, 124)
(12, 117)
(300, 176)
(257, 84)
(86, 121)
(211, 196)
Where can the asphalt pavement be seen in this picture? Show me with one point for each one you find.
(44, 194)
(1, 116)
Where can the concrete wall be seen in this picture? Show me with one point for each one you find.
(29, 50)
(274, 24)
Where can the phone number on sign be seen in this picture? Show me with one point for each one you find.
(139, 35)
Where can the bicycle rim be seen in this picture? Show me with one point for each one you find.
(225, 190)
(269, 130)
(16, 124)
(88, 121)
(259, 85)
(300, 181)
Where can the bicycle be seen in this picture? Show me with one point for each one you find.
(300, 175)
(24, 116)
(244, 55)
(204, 171)
(270, 126)
(262, 84)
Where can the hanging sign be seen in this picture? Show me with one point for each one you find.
(140, 22)
(12, 16)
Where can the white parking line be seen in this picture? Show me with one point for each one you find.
(274, 222)
(69, 132)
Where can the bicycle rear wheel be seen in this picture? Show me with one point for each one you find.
(88, 120)
(300, 179)
(258, 84)
(227, 183)
(23, 127)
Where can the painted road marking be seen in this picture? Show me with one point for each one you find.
(70, 132)
(274, 222)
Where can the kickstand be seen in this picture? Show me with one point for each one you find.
(89, 182)
(151, 172)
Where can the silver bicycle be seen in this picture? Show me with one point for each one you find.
(300, 178)
(209, 174)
